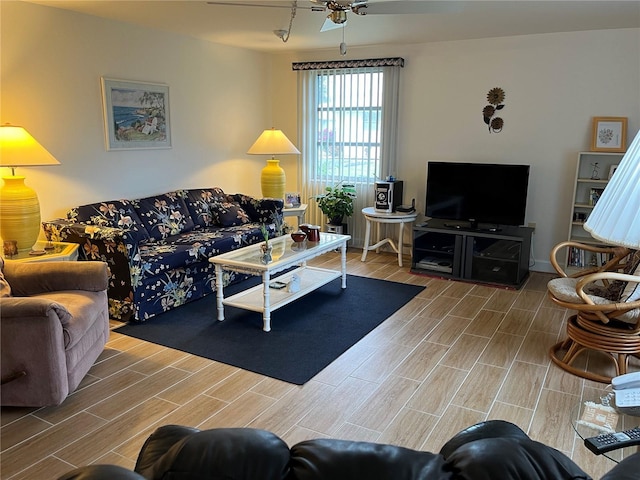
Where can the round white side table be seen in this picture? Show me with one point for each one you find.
(371, 216)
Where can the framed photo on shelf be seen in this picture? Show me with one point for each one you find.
(292, 199)
(136, 115)
(612, 170)
(609, 134)
(594, 196)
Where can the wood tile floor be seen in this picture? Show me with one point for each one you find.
(455, 355)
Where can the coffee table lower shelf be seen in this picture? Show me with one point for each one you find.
(266, 300)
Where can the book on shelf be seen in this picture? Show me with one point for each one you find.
(580, 258)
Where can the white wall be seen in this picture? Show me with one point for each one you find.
(221, 98)
(554, 84)
(52, 61)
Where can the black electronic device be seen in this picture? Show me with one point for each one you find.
(407, 208)
(477, 193)
(612, 441)
(388, 196)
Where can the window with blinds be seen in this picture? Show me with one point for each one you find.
(349, 106)
(348, 112)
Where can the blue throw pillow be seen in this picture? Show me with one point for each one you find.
(198, 202)
(164, 215)
(229, 214)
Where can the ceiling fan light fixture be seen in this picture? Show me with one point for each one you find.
(338, 16)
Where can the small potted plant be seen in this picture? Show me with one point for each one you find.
(266, 246)
(337, 202)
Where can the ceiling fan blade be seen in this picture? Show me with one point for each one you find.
(411, 6)
(276, 4)
(329, 25)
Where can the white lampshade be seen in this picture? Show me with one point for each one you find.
(616, 217)
(19, 206)
(273, 142)
(19, 149)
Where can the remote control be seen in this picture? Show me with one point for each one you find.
(612, 441)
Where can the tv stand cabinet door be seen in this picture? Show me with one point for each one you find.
(502, 260)
(437, 252)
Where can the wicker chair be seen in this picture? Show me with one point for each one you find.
(607, 302)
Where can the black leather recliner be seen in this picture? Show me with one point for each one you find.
(489, 450)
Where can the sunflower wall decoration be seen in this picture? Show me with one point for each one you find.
(495, 97)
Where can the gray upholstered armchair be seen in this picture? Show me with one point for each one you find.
(54, 324)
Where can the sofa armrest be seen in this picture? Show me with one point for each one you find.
(487, 429)
(114, 246)
(627, 469)
(90, 237)
(33, 278)
(101, 472)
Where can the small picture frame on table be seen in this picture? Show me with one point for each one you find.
(609, 134)
(292, 200)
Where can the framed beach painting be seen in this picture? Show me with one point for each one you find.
(136, 115)
(609, 134)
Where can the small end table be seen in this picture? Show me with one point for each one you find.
(298, 211)
(55, 252)
(371, 216)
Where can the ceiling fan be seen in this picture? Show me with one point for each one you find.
(338, 8)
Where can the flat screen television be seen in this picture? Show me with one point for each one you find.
(477, 193)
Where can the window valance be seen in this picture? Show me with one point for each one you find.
(372, 62)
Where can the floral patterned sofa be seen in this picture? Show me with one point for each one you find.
(158, 247)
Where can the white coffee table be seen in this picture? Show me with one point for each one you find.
(262, 298)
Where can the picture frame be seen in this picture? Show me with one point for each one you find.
(594, 196)
(609, 134)
(136, 114)
(292, 199)
(612, 170)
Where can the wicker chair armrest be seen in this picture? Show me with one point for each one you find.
(595, 277)
(618, 254)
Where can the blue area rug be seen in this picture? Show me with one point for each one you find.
(305, 337)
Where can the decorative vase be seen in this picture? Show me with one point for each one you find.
(273, 179)
(266, 253)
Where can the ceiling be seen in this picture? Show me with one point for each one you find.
(252, 26)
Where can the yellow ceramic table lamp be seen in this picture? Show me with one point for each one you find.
(19, 207)
(273, 179)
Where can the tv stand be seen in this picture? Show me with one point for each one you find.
(497, 256)
(474, 226)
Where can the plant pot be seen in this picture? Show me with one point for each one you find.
(266, 253)
(336, 220)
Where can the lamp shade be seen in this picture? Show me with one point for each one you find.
(19, 206)
(616, 217)
(273, 179)
(273, 142)
(19, 149)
